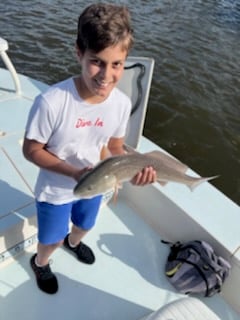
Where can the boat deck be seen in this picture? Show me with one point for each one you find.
(17, 219)
(127, 280)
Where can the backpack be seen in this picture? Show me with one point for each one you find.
(194, 268)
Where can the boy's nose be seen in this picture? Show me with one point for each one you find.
(105, 72)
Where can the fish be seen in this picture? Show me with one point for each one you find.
(111, 172)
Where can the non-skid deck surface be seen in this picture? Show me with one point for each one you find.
(17, 209)
(126, 281)
(17, 176)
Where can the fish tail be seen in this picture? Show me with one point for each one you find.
(199, 181)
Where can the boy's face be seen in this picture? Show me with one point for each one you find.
(100, 72)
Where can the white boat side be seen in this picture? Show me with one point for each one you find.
(127, 281)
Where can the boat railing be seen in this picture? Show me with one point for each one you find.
(6, 60)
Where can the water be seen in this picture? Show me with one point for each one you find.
(194, 106)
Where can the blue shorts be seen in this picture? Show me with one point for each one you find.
(53, 220)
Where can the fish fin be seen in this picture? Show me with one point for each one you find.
(200, 181)
(115, 195)
(168, 160)
(117, 186)
(162, 183)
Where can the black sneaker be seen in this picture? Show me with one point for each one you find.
(46, 280)
(82, 251)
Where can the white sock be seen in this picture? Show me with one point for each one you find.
(37, 264)
(70, 244)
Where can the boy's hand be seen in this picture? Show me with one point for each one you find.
(146, 176)
(78, 173)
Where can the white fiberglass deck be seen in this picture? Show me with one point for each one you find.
(126, 281)
(17, 176)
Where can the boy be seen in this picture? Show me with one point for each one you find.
(68, 127)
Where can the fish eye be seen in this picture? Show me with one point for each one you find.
(89, 188)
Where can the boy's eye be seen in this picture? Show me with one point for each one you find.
(100, 63)
(96, 62)
(117, 64)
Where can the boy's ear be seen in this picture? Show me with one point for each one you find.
(78, 53)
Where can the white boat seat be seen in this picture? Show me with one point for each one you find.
(184, 309)
(136, 83)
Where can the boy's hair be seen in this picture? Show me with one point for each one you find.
(103, 25)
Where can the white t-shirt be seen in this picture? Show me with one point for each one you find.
(74, 131)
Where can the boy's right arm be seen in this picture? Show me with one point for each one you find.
(36, 153)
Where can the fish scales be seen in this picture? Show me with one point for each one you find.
(126, 167)
(114, 170)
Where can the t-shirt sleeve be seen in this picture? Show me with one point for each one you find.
(40, 121)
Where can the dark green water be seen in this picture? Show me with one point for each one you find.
(194, 106)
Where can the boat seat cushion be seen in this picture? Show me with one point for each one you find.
(184, 309)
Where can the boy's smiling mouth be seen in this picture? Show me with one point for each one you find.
(102, 84)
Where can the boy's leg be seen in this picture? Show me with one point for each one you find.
(76, 235)
(46, 279)
(44, 252)
(50, 236)
(84, 213)
(81, 250)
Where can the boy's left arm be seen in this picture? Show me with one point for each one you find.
(115, 146)
(146, 176)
